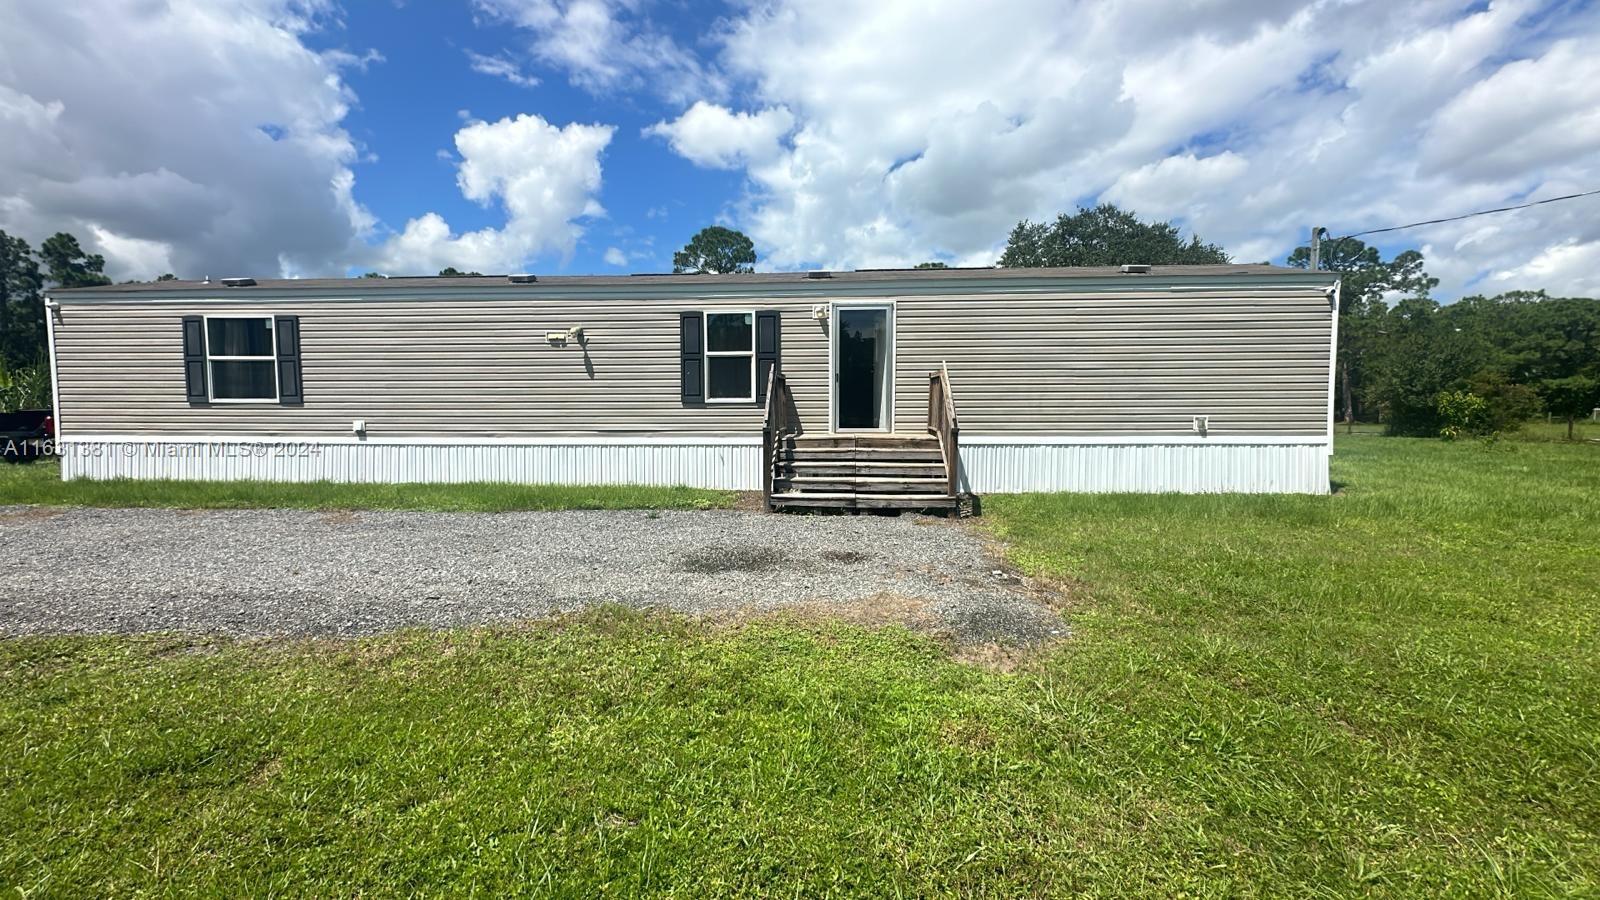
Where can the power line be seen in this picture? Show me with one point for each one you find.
(1481, 212)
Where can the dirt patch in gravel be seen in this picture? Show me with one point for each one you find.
(721, 560)
(29, 514)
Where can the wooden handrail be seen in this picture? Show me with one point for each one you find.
(942, 422)
(776, 423)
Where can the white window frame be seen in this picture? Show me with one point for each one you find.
(705, 342)
(211, 375)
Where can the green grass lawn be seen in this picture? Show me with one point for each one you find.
(1395, 690)
(1582, 430)
(39, 483)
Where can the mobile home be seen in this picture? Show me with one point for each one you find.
(902, 387)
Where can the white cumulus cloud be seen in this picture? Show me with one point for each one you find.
(605, 46)
(716, 137)
(544, 177)
(918, 130)
(201, 138)
(208, 139)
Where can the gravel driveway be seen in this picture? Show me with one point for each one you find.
(303, 573)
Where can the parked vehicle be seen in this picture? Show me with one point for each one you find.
(26, 434)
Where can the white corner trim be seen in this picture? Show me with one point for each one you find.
(55, 377)
(1152, 440)
(1333, 356)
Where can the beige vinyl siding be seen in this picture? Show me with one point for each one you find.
(415, 368)
(1256, 362)
(1071, 364)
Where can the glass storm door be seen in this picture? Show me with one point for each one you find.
(863, 359)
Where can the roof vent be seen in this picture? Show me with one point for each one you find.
(522, 278)
(819, 273)
(1136, 269)
(238, 282)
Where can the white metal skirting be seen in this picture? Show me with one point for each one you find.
(722, 465)
(1187, 468)
(988, 464)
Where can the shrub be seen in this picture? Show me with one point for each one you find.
(1462, 412)
(26, 387)
(1509, 403)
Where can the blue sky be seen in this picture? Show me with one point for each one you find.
(412, 103)
(314, 137)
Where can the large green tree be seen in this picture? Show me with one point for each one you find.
(69, 266)
(1368, 283)
(1549, 344)
(1104, 236)
(716, 250)
(1517, 351)
(1417, 353)
(1572, 397)
(1547, 338)
(22, 330)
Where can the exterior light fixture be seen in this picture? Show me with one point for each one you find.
(562, 338)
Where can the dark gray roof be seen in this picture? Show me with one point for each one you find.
(860, 276)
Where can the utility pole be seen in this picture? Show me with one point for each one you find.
(1316, 247)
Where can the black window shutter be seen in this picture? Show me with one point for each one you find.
(768, 343)
(194, 359)
(692, 357)
(289, 389)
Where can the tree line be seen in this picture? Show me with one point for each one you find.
(25, 274)
(1480, 365)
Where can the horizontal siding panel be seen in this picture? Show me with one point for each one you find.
(1127, 365)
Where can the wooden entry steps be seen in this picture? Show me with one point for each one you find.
(866, 471)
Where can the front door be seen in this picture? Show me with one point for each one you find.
(863, 368)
